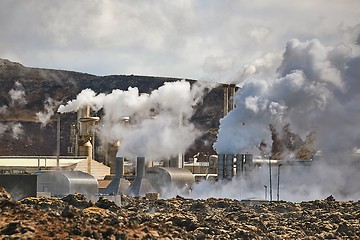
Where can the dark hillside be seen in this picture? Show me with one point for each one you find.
(32, 86)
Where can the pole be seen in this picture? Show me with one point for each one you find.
(270, 180)
(278, 183)
(58, 143)
(265, 187)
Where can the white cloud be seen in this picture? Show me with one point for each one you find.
(165, 38)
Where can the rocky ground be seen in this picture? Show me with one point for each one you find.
(74, 217)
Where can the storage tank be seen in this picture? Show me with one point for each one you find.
(61, 183)
(163, 177)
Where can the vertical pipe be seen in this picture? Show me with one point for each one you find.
(89, 155)
(265, 187)
(140, 167)
(58, 143)
(239, 164)
(278, 183)
(220, 168)
(229, 166)
(270, 182)
(226, 99)
(231, 97)
(248, 163)
(119, 167)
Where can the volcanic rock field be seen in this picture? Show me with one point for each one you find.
(75, 217)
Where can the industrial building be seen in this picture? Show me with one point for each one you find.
(81, 173)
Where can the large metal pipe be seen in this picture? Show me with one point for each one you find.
(232, 97)
(89, 155)
(140, 186)
(83, 113)
(226, 99)
(239, 164)
(119, 167)
(140, 167)
(248, 163)
(229, 166)
(110, 155)
(220, 167)
(58, 143)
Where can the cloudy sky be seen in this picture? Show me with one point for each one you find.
(199, 39)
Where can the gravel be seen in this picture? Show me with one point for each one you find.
(75, 217)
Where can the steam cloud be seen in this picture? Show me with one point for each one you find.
(15, 129)
(159, 125)
(49, 109)
(3, 109)
(17, 95)
(315, 88)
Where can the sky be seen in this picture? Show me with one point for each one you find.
(197, 39)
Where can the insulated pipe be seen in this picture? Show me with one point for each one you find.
(231, 97)
(89, 155)
(239, 164)
(140, 167)
(229, 166)
(83, 113)
(248, 164)
(226, 99)
(119, 167)
(220, 168)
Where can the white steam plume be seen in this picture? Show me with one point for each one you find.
(49, 109)
(14, 129)
(3, 128)
(3, 109)
(315, 88)
(17, 95)
(159, 121)
(17, 130)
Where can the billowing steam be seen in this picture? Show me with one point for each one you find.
(3, 109)
(13, 129)
(313, 86)
(17, 95)
(314, 91)
(49, 109)
(159, 122)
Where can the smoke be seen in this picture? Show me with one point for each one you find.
(314, 90)
(13, 129)
(3, 109)
(49, 109)
(17, 95)
(159, 122)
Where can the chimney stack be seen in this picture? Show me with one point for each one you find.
(140, 186)
(119, 184)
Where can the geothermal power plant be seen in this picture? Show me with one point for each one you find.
(80, 173)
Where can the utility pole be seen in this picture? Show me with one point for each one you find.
(278, 183)
(58, 143)
(270, 180)
(265, 187)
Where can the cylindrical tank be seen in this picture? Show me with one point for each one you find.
(60, 183)
(220, 168)
(239, 164)
(229, 166)
(164, 179)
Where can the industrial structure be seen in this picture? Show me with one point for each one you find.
(81, 173)
(61, 183)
